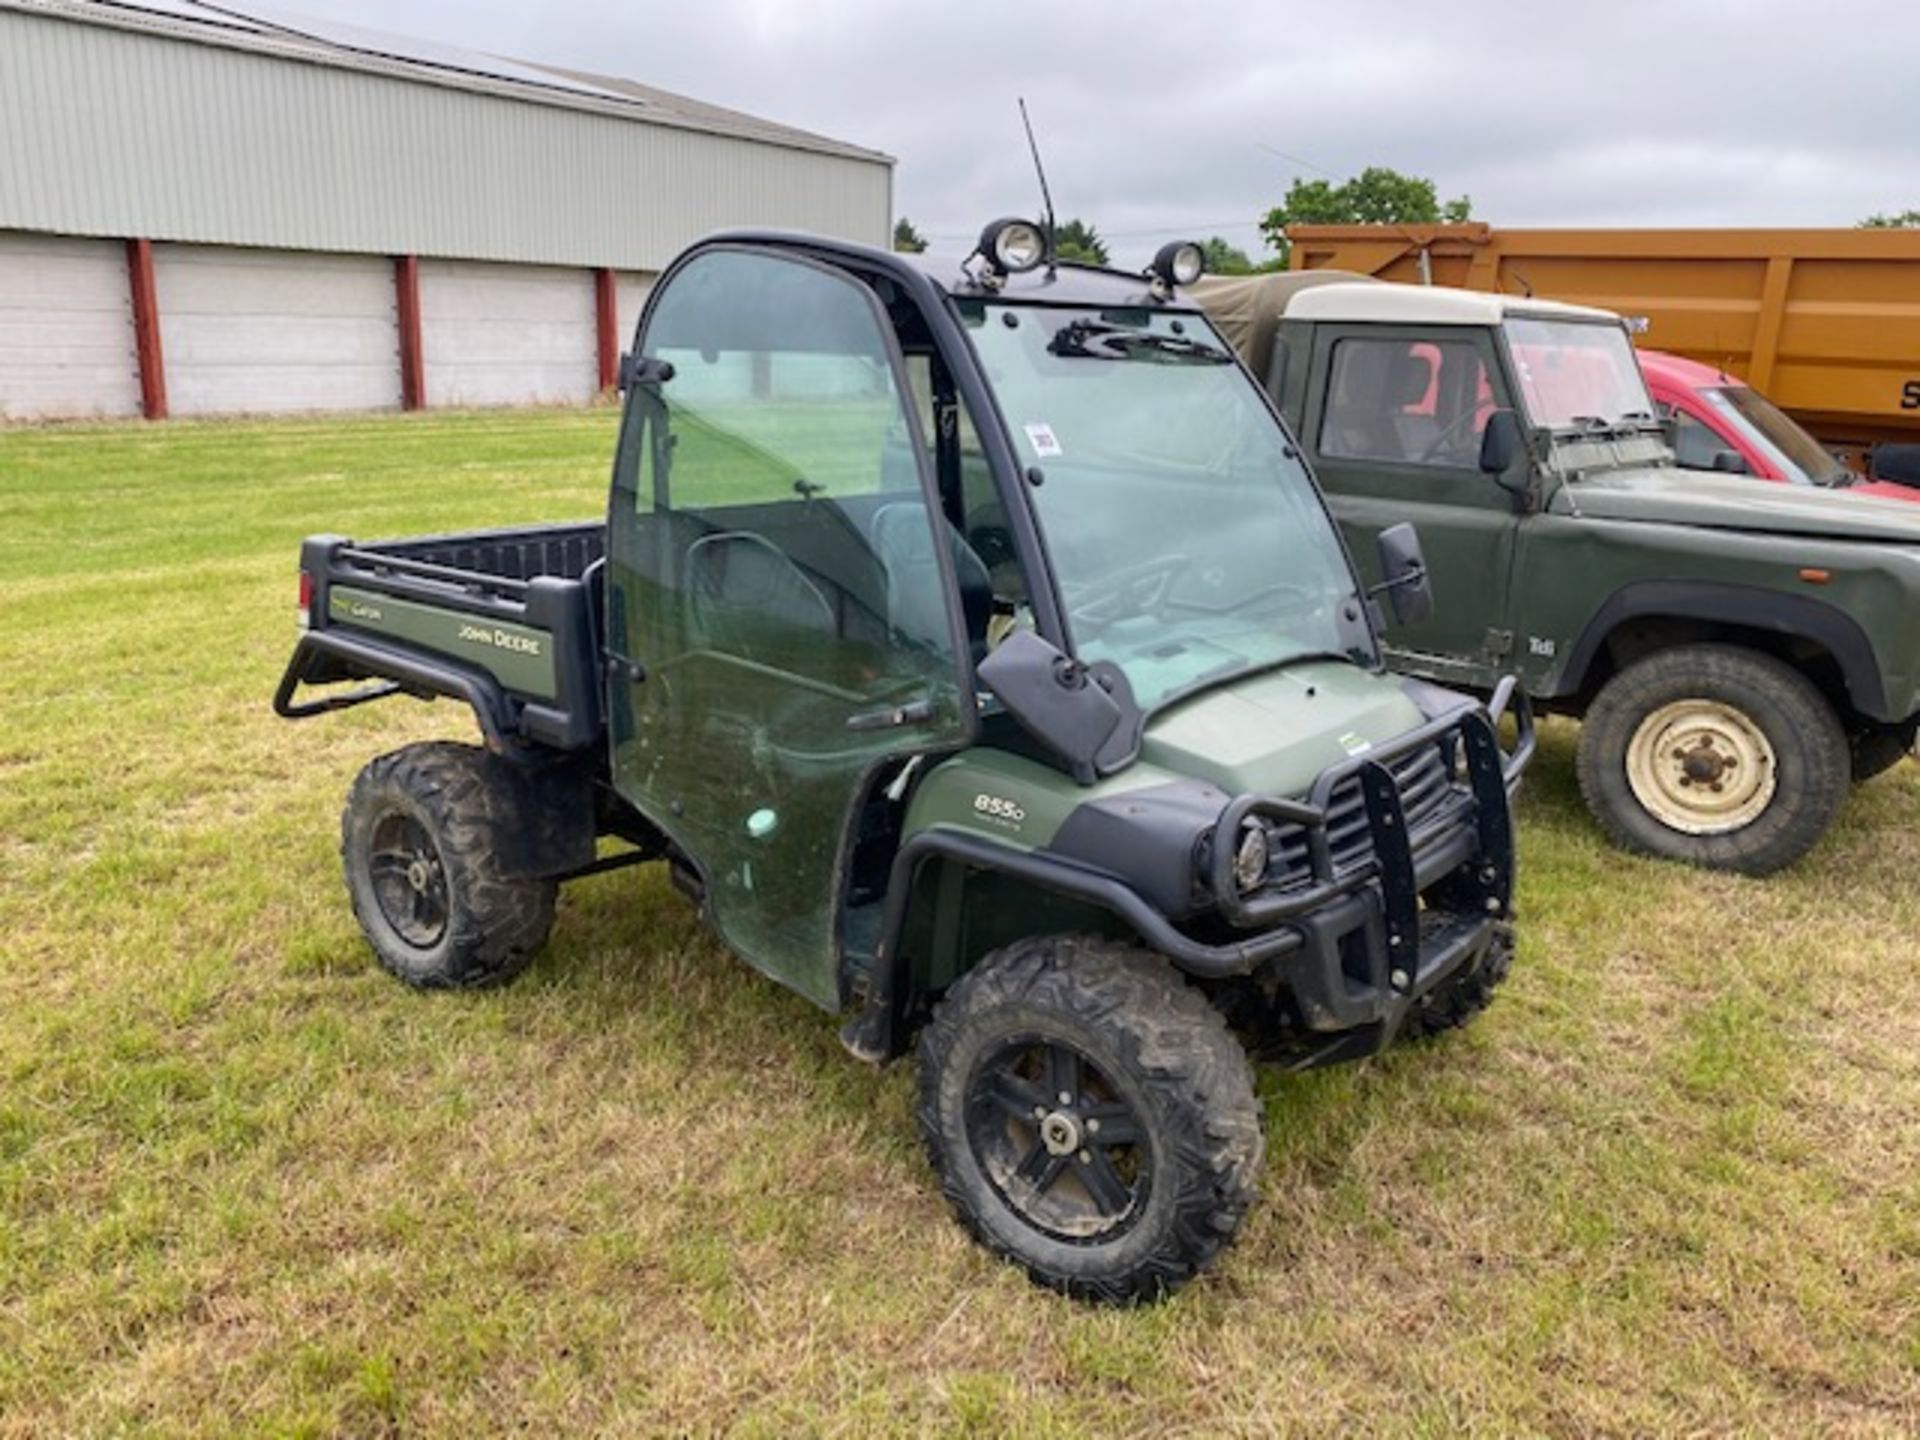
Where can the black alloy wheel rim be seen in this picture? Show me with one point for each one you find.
(1057, 1140)
(409, 882)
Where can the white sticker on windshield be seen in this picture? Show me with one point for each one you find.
(1041, 438)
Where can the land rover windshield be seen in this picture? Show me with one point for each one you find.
(1188, 542)
(1577, 374)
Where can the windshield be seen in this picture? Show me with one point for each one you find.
(1577, 374)
(1795, 453)
(1188, 542)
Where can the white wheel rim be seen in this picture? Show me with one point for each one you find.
(1701, 767)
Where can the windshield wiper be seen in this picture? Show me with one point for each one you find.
(1599, 427)
(1094, 340)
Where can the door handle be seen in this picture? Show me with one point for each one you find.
(914, 712)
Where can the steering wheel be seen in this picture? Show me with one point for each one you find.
(1464, 418)
(1134, 590)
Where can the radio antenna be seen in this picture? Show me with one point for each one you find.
(1046, 195)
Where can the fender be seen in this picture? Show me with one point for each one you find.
(1797, 616)
(879, 1029)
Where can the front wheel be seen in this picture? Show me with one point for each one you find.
(1715, 755)
(1090, 1116)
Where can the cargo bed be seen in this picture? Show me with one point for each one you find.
(506, 620)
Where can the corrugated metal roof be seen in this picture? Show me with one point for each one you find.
(149, 122)
(289, 35)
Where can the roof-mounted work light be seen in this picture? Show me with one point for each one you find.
(1012, 246)
(1180, 263)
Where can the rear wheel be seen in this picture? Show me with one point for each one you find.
(1090, 1117)
(1715, 755)
(418, 842)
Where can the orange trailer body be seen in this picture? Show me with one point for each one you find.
(1825, 322)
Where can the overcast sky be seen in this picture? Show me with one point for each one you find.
(1167, 119)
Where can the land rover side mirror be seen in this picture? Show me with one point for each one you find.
(1055, 698)
(1403, 572)
(1730, 462)
(1899, 464)
(1500, 445)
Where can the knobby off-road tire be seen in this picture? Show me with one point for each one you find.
(417, 841)
(1655, 745)
(1460, 1000)
(1091, 1118)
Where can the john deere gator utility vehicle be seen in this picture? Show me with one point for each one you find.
(973, 646)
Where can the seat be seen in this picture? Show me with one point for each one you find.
(916, 605)
(744, 591)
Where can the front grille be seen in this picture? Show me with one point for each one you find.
(1425, 793)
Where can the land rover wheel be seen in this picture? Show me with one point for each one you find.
(1090, 1116)
(1715, 755)
(418, 843)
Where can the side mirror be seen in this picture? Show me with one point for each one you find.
(1404, 578)
(1055, 698)
(1730, 462)
(1897, 463)
(1500, 446)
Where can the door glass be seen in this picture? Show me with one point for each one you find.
(776, 572)
(1420, 402)
(1399, 429)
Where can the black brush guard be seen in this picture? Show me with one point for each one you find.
(1367, 949)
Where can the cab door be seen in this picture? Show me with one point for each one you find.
(779, 577)
(1394, 421)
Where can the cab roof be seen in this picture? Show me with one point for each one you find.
(1066, 283)
(1428, 305)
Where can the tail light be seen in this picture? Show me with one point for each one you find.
(306, 600)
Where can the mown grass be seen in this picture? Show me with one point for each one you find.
(248, 1184)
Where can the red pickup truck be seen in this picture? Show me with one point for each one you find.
(1723, 423)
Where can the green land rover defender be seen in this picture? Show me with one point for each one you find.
(1739, 652)
(973, 646)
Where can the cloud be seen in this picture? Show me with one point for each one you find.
(1158, 120)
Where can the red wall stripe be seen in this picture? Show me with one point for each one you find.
(413, 356)
(146, 330)
(606, 311)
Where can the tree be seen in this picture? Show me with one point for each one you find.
(1376, 196)
(1905, 220)
(1078, 241)
(906, 238)
(1225, 259)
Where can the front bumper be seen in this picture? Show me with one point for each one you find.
(1353, 943)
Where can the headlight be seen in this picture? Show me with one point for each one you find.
(1180, 263)
(1011, 246)
(1250, 860)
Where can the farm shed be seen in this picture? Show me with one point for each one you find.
(204, 211)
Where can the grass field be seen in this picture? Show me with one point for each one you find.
(248, 1184)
